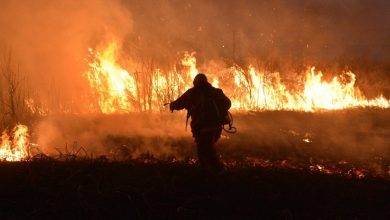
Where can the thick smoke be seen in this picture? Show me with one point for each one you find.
(50, 40)
(117, 136)
(357, 136)
(284, 36)
(304, 31)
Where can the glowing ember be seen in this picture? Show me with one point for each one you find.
(119, 91)
(15, 147)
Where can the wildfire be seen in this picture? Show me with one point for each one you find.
(15, 147)
(115, 87)
(189, 61)
(257, 91)
(118, 91)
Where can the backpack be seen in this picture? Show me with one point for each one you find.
(210, 110)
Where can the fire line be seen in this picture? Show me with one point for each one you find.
(119, 91)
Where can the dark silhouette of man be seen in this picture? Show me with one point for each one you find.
(206, 127)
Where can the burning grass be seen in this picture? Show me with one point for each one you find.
(15, 147)
(119, 89)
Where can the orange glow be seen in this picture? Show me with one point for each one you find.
(15, 147)
(259, 91)
(115, 87)
(189, 61)
(118, 91)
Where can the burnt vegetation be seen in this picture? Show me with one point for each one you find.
(13, 91)
(98, 189)
(271, 172)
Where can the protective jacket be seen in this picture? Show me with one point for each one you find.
(193, 98)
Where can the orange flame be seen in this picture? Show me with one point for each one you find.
(17, 148)
(115, 87)
(118, 91)
(256, 91)
(189, 61)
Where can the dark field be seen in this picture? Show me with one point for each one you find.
(280, 165)
(98, 189)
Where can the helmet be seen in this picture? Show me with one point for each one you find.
(200, 79)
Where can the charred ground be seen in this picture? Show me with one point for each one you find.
(98, 189)
(281, 165)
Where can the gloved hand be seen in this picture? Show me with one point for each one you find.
(171, 106)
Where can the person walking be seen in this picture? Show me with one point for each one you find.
(207, 106)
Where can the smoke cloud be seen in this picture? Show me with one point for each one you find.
(324, 31)
(359, 136)
(117, 136)
(50, 40)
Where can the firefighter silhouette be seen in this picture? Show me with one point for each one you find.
(207, 106)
